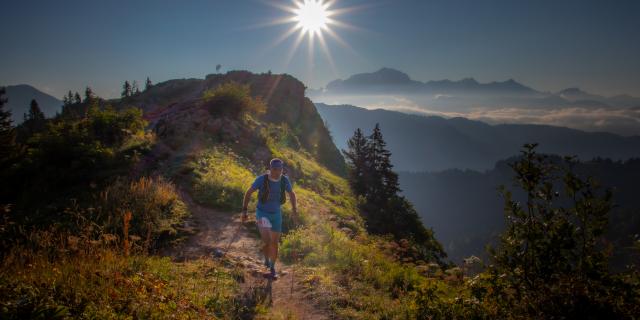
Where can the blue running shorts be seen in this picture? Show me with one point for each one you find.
(270, 220)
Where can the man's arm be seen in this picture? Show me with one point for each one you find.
(245, 202)
(294, 205)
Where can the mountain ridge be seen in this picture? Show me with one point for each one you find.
(388, 80)
(438, 143)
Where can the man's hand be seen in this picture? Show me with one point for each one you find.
(295, 218)
(244, 215)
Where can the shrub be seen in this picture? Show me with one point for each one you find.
(155, 206)
(232, 99)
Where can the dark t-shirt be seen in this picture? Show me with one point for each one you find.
(273, 202)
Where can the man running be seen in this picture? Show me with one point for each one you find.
(268, 214)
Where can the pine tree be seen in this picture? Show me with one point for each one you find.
(66, 102)
(70, 97)
(76, 98)
(147, 84)
(7, 132)
(88, 94)
(34, 121)
(126, 89)
(384, 182)
(357, 162)
(371, 175)
(380, 209)
(134, 87)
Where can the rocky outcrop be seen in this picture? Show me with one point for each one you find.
(175, 108)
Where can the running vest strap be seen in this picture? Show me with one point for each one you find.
(265, 189)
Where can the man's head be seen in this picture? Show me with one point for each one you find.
(275, 166)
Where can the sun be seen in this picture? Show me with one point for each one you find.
(315, 21)
(311, 16)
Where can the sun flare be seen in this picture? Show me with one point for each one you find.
(311, 16)
(315, 21)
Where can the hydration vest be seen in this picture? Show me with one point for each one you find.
(264, 194)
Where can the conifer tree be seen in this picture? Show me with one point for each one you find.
(386, 212)
(134, 88)
(34, 121)
(147, 84)
(7, 132)
(357, 163)
(126, 89)
(70, 97)
(88, 94)
(385, 181)
(76, 98)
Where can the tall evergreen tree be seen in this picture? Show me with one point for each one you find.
(70, 97)
(7, 132)
(147, 84)
(357, 162)
(371, 175)
(88, 94)
(76, 98)
(65, 102)
(34, 121)
(134, 88)
(126, 89)
(384, 180)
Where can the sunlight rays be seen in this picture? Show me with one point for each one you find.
(313, 20)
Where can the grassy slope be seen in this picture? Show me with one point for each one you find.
(349, 271)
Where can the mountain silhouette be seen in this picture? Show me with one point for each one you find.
(391, 80)
(463, 94)
(19, 99)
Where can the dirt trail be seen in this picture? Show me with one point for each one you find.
(218, 234)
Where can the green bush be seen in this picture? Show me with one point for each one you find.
(72, 158)
(232, 99)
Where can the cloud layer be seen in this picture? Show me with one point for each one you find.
(622, 121)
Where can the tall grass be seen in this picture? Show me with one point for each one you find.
(220, 178)
(156, 208)
(86, 273)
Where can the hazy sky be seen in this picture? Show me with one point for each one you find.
(548, 45)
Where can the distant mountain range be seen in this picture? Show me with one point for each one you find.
(390, 81)
(19, 100)
(494, 102)
(433, 143)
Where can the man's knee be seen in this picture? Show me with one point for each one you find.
(275, 237)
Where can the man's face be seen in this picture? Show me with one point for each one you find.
(276, 172)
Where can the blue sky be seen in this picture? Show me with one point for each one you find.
(549, 45)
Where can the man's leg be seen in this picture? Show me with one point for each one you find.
(276, 230)
(266, 241)
(264, 227)
(273, 245)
